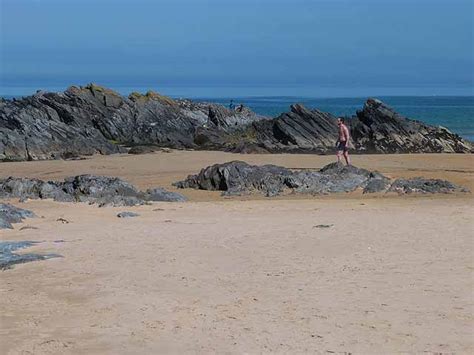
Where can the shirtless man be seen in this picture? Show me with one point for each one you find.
(342, 145)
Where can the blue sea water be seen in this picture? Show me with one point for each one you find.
(453, 112)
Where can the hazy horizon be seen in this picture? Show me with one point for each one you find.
(198, 48)
(195, 92)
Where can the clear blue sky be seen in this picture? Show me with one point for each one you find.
(346, 45)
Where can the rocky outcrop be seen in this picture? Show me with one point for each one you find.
(379, 129)
(10, 214)
(93, 119)
(101, 190)
(299, 131)
(50, 126)
(8, 258)
(238, 178)
(376, 129)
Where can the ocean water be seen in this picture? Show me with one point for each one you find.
(453, 112)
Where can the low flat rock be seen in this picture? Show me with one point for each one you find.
(237, 178)
(142, 149)
(425, 186)
(8, 258)
(101, 190)
(10, 214)
(146, 149)
(127, 214)
(159, 194)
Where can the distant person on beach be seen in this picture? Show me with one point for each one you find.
(231, 105)
(342, 144)
(240, 108)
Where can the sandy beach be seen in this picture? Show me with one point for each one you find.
(385, 274)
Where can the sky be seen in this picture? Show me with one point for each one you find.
(246, 47)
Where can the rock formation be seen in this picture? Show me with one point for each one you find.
(424, 186)
(92, 119)
(10, 214)
(376, 129)
(299, 131)
(8, 258)
(104, 191)
(379, 129)
(127, 214)
(238, 178)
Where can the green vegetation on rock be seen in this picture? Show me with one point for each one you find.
(151, 95)
(94, 88)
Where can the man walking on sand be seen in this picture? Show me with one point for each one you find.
(342, 144)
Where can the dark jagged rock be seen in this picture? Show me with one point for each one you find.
(236, 178)
(376, 129)
(24, 188)
(10, 214)
(299, 131)
(101, 190)
(93, 119)
(127, 215)
(8, 258)
(217, 116)
(379, 129)
(425, 186)
(49, 126)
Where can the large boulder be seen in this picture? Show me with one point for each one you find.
(237, 178)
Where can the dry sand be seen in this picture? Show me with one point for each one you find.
(256, 276)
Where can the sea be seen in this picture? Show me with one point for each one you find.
(453, 112)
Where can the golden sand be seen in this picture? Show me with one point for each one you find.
(220, 275)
